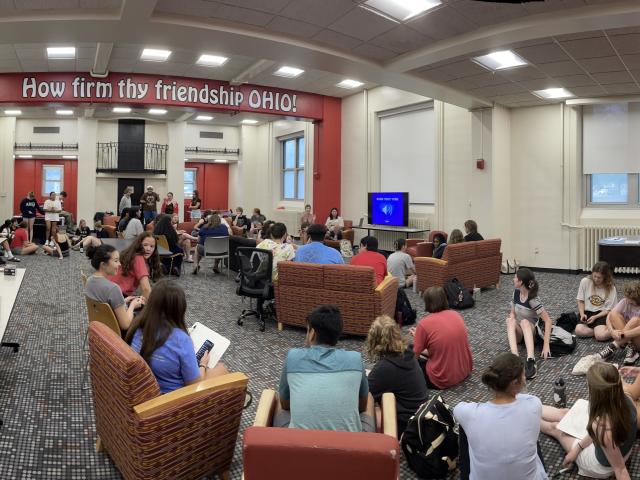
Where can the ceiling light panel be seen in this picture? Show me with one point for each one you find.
(249, 121)
(57, 53)
(13, 112)
(288, 72)
(155, 55)
(121, 110)
(25, 156)
(211, 60)
(64, 112)
(204, 118)
(157, 111)
(69, 156)
(348, 83)
(500, 60)
(401, 10)
(553, 93)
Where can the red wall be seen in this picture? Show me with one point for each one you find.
(28, 177)
(327, 160)
(213, 185)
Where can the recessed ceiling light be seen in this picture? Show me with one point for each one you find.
(13, 112)
(249, 121)
(64, 112)
(121, 110)
(25, 156)
(551, 93)
(204, 118)
(69, 156)
(402, 10)
(500, 60)
(211, 60)
(348, 83)
(221, 161)
(155, 55)
(57, 53)
(289, 72)
(157, 111)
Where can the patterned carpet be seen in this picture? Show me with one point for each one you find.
(49, 430)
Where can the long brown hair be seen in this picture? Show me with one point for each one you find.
(384, 338)
(163, 312)
(608, 407)
(604, 269)
(128, 255)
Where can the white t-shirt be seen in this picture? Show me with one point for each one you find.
(502, 438)
(399, 264)
(595, 299)
(134, 228)
(49, 205)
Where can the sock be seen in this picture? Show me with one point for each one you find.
(9, 254)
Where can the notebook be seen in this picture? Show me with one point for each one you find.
(200, 333)
(574, 423)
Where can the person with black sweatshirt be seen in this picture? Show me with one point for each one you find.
(28, 208)
(396, 370)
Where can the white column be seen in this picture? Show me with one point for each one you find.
(87, 163)
(176, 132)
(7, 165)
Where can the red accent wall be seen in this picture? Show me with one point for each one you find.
(213, 185)
(327, 160)
(28, 177)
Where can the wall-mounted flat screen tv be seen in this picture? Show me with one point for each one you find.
(389, 208)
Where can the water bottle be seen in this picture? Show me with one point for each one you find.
(560, 393)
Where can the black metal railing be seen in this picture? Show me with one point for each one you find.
(154, 155)
(46, 146)
(208, 151)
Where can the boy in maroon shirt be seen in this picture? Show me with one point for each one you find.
(369, 257)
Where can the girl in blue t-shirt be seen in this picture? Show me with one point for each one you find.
(526, 309)
(159, 334)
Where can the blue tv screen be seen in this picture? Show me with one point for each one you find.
(389, 208)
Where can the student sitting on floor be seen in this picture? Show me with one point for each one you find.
(596, 297)
(396, 369)
(278, 245)
(502, 433)
(624, 325)
(369, 256)
(323, 387)
(315, 251)
(93, 240)
(20, 244)
(159, 334)
(526, 309)
(6, 235)
(59, 244)
(442, 337)
(138, 263)
(400, 264)
(633, 389)
(105, 259)
(82, 232)
(611, 429)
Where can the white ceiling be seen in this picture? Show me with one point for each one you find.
(590, 47)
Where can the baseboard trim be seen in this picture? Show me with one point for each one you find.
(555, 270)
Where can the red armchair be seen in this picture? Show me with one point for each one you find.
(417, 247)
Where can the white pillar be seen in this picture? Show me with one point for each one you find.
(87, 163)
(176, 132)
(7, 165)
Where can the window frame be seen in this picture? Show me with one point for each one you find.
(633, 189)
(295, 170)
(195, 182)
(44, 179)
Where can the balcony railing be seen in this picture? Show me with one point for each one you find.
(212, 151)
(140, 158)
(45, 146)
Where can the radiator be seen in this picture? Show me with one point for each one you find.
(590, 236)
(387, 239)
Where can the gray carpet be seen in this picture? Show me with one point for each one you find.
(49, 430)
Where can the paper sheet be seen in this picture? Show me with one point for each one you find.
(200, 333)
(575, 422)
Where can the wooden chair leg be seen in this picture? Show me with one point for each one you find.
(280, 326)
(99, 446)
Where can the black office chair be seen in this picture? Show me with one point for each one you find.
(255, 281)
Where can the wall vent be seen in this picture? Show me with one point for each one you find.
(204, 134)
(46, 129)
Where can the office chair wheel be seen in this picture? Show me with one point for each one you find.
(262, 326)
(241, 321)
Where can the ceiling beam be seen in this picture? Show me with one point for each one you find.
(136, 11)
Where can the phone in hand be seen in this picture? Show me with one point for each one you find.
(206, 347)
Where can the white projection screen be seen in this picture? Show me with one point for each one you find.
(407, 154)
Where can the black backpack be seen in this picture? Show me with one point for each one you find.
(561, 342)
(568, 321)
(405, 313)
(430, 441)
(458, 296)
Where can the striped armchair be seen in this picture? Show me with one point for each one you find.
(303, 286)
(187, 434)
(473, 263)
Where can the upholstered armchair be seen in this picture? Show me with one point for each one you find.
(418, 247)
(188, 433)
(270, 452)
(109, 224)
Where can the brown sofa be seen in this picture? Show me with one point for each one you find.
(271, 453)
(188, 433)
(418, 247)
(473, 263)
(303, 286)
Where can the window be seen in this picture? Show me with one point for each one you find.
(609, 188)
(52, 179)
(189, 182)
(293, 168)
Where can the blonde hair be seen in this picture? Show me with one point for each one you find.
(455, 237)
(384, 338)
